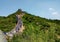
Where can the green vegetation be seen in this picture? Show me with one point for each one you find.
(37, 29)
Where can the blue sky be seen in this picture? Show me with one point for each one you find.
(43, 8)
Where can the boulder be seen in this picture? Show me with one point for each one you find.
(2, 37)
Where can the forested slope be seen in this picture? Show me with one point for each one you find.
(37, 29)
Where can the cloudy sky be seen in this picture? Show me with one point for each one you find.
(43, 8)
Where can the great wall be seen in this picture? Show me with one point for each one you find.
(16, 30)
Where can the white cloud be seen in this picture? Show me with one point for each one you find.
(53, 11)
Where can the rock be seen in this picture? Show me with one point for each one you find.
(2, 37)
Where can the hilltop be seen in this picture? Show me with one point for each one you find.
(37, 29)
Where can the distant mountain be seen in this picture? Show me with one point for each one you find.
(37, 29)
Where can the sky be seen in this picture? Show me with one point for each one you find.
(49, 9)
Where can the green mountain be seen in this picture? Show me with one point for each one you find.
(37, 29)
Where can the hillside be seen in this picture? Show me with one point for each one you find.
(37, 29)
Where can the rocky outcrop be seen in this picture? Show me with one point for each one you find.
(2, 37)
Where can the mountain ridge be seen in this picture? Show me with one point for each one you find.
(37, 29)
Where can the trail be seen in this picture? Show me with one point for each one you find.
(18, 28)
